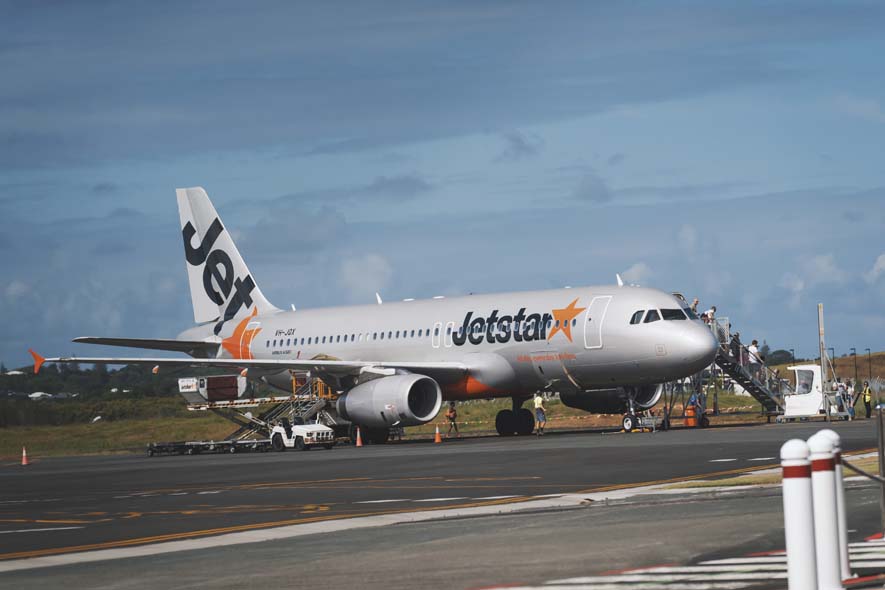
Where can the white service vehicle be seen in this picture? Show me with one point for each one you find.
(810, 400)
(301, 436)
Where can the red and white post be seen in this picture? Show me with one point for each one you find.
(826, 527)
(845, 566)
(798, 516)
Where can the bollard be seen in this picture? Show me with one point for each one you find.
(798, 516)
(826, 533)
(841, 518)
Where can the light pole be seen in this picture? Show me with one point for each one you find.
(793, 355)
(854, 354)
(870, 363)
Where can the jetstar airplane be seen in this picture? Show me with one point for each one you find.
(603, 349)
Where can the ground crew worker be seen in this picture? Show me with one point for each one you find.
(540, 413)
(452, 417)
(867, 398)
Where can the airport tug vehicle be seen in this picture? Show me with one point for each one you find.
(302, 437)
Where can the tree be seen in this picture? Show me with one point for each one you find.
(765, 351)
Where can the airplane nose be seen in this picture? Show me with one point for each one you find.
(699, 345)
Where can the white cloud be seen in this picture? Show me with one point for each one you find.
(16, 289)
(637, 273)
(365, 275)
(796, 286)
(865, 108)
(877, 271)
(822, 269)
(687, 238)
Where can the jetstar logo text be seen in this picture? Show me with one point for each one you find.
(218, 275)
(520, 327)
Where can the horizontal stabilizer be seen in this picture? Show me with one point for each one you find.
(196, 348)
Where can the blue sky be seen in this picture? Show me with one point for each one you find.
(730, 151)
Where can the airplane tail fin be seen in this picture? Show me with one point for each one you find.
(221, 286)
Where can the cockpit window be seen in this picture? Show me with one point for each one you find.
(637, 317)
(673, 314)
(691, 315)
(652, 316)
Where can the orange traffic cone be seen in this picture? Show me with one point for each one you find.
(437, 438)
(25, 457)
(359, 439)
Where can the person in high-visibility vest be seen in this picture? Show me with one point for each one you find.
(867, 398)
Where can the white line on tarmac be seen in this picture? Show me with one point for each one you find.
(648, 586)
(761, 459)
(497, 497)
(57, 528)
(384, 501)
(178, 494)
(653, 577)
(210, 492)
(440, 499)
(722, 460)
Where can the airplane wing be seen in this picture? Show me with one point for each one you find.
(195, 347)
(316, 365)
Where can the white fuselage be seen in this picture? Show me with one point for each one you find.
(512, 343)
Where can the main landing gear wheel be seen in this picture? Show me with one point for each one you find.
(628, 423)
(525, 422)
(505, 423)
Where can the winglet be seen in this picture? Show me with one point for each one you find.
(378, 298)
(620, 280)
(38, 361)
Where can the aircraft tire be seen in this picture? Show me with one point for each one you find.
(505, 423)
(277, 443)
(629, 423)
(525, 422)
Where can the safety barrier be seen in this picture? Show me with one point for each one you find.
(815, 526)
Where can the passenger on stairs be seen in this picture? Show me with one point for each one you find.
(753, 359)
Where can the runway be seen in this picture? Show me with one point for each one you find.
(87, 504)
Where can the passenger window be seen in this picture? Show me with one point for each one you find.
(652, 316)
(637, 317)
(374, 335)
(288, 341)
(389, 335)
(382, 335)
(275, 343)
(436, 331)
(413, 334)
(574, 322)
(324, 339)
(268, 344)
(397, 333)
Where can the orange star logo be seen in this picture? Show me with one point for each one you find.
(239, 344)
(563, 320)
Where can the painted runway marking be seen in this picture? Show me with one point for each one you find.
(496, 497)
(56, 528)
(761, 459)
(440, 499)
(384, 501)
(179, 494)
(722, 460)
(210, 492)
(719, 574)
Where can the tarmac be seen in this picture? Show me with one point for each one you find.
(467, 513)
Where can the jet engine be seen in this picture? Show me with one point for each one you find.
(614, 400)
(397, 400)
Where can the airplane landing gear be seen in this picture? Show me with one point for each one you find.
(628, 423)
(518, 421)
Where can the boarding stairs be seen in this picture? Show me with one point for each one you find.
(308, 402)
(762, 384)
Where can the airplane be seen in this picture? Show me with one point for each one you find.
(604, 349)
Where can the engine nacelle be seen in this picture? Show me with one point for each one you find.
(614, 400)
(398, 400)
